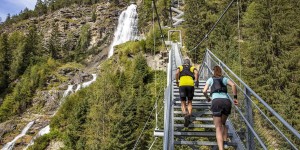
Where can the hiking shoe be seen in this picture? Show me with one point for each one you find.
(225, 143)
(187, 120)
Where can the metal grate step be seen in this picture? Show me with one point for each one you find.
(175, 88)
(197, 133)
(176, 93)
(206, 143)
(208, 112)
(195, 126)
(194, 107)
(197, 102)
(200, 81)
(195, 98)
(195, 118)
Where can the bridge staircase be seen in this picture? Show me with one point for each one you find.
(248, 125)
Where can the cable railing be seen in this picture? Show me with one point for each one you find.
(175, 59)
(257, 124)
(168, 105)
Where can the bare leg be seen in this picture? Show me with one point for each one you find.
(183, 107)
(225, 130)
(219, 136)
(190, 107)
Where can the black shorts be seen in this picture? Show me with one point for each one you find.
(186, 91)
(221, 106)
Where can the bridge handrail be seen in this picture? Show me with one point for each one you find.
(168, 100)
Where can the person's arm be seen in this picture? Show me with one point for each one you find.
(205, 92)
(177, 76)
(196, 74)
(234, 92)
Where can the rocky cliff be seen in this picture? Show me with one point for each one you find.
(69, 21)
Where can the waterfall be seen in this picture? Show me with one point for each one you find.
(85, 84)
(127, 28)
(43, 131)
(78, 87)
(69, 91)
(11, 144)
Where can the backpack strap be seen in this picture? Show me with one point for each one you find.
(186, 71)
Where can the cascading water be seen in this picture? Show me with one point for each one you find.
(78, 87)
(127, 27)
(85, 84)
(69, 91)
(11, 144)
(43, 131)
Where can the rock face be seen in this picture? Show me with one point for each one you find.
(70, 20)
(47, 100)
(6, 127)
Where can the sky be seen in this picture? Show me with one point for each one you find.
(13, 7)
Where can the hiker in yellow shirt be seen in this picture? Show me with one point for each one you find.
(186, 75)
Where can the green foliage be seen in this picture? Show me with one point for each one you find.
(5, 56)
(30, 51)
(41, 7)
(21, 97)
(94, 17)
(16, 43)
(268, 56)
(68, 47)
(83, 42)
(42, 142)
(274, 53)
(54, 46)
(133, 47)
(151, 35)
(112, 117)
(145, 8)
(130, 48)
(49, 6)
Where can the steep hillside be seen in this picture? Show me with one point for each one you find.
(38, 62)
(46, 57)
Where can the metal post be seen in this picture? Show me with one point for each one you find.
(249, 117)
(171, 20)
(208, 65)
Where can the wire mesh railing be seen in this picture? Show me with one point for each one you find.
(168, 131)
(256, 123)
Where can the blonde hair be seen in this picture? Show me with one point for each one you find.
(217, 71)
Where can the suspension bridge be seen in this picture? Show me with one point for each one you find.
(252, 125)
(249, 125)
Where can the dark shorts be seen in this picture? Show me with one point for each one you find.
(221, 106)
(186, 91)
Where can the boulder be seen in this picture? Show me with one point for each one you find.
(7, 127)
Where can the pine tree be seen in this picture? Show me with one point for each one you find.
(123, 131)
(5, 57)
(94, 17)
(54, 47)
(40, 7)
(30, 51)
(83, 42)
(16, 42)
(8, 17)
(196, 25)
